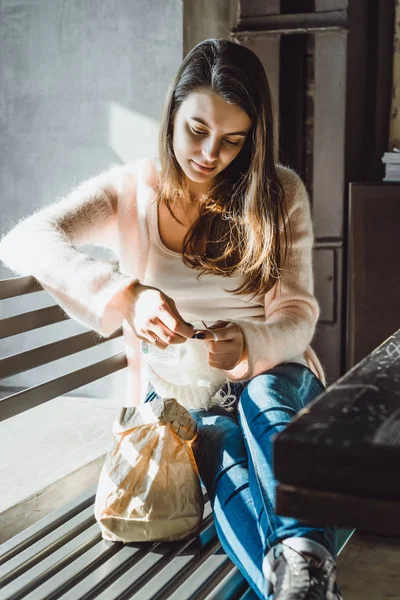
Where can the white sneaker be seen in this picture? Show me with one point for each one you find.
(295, 575)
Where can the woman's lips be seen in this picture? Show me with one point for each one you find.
(201, 168)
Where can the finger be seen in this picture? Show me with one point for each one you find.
(218, 347)
(225, 333)
(211, 335)
(205, 334)
(152, 338)
(223, 361)
(217, 324)
(170, 317)
(214, 326)
(211, 328)
(166, 335)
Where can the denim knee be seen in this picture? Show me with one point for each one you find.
(265, 392)
(219, 446)
(288, 384)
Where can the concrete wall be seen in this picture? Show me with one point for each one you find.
(81, 88)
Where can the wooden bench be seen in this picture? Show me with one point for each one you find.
(63, 555)
(338, 460)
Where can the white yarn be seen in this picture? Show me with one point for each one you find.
(181, 371)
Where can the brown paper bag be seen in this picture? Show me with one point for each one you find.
(149, 488)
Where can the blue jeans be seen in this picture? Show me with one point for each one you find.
(234, 454)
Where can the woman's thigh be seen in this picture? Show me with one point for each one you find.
(266, 407)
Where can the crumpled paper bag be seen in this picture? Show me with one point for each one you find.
(149, 487)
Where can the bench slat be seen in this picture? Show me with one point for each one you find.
(69, 557)
(21, 401)
(38, 530)
(19, 286)
(104, 572)
(176, 572)
(133, 557)
(205, 577)
(164, 556)
(231, 586)
(31, 579)
(34, 319)
(24, 361)
(139, 574)
(73, 573)
(148, 559)
(46, 545)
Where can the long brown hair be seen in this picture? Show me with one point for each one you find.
(241, 219)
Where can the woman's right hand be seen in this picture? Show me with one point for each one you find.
(153, 316)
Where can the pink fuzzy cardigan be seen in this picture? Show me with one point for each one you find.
(110, 210)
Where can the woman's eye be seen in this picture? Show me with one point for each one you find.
(198, 132)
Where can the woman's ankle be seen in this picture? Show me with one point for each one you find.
(307, 546)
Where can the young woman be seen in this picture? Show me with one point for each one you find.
(213, 286)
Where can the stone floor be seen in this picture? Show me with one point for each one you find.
(369, 568)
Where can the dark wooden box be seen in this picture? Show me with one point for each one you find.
(348, 439)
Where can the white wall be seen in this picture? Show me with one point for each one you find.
(81, 88)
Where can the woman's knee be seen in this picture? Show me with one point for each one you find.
(217, 436)
(270, 390)
(219, 451)
(290, 385)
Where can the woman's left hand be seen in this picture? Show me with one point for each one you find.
(225, 343)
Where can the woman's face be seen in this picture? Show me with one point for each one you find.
(208, 134)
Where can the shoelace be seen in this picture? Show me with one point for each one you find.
(288, 587)
(319, 579)
(310, 583)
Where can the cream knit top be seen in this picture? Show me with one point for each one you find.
(112, 210)
(182, 372)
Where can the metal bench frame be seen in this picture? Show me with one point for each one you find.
(63, 555)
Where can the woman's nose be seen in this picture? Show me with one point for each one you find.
(211, 149)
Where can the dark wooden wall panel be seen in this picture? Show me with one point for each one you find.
(250, 8)
(373, 298)
(327, 5)
(293, 101)
(332, 57)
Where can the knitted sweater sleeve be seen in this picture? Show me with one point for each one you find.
(46, 244)
(291, 309)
